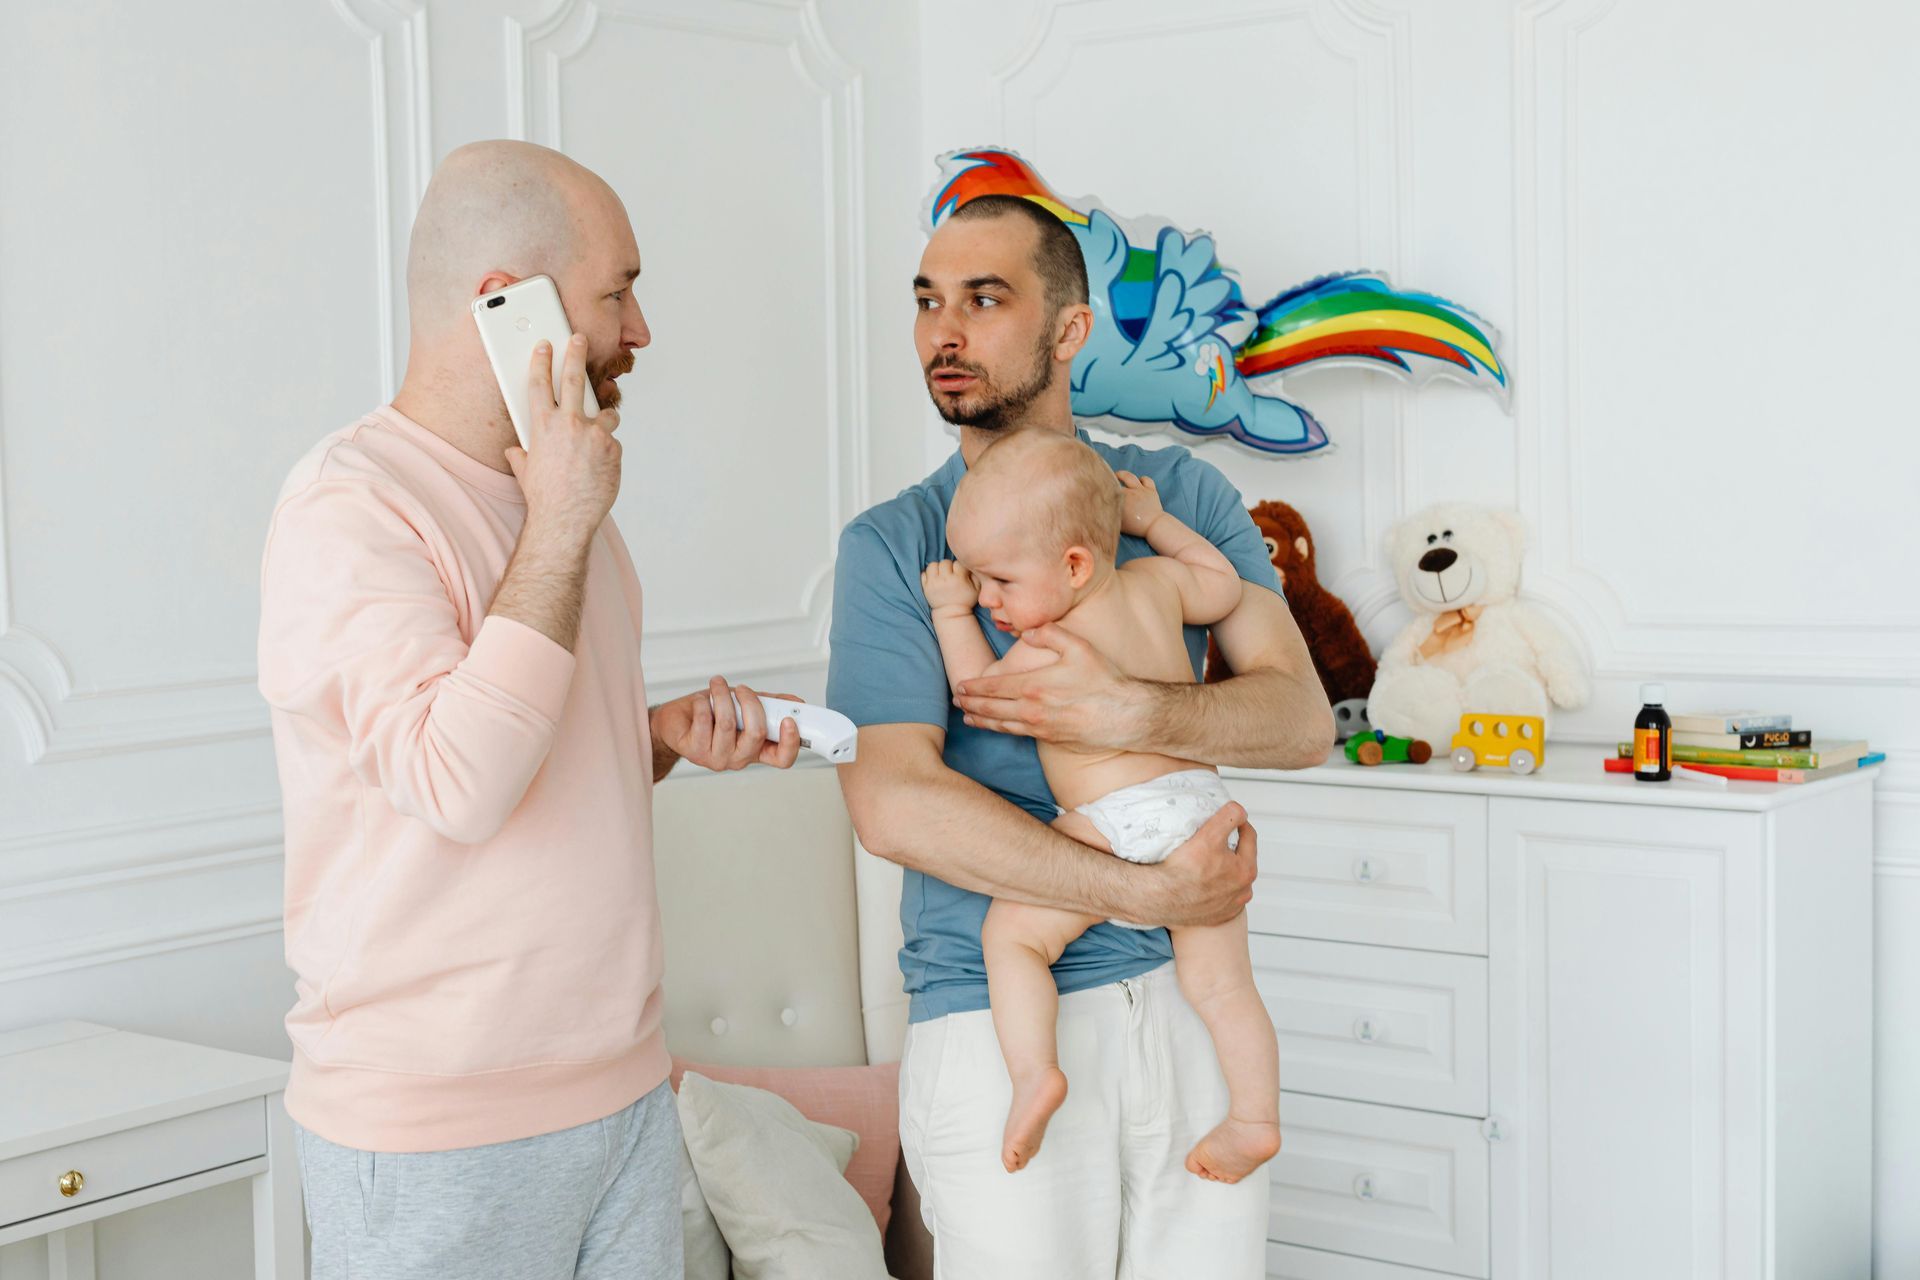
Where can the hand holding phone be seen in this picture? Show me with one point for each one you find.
(570, 469)
(568, 463)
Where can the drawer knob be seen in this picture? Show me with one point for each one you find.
(1364, 1188)
(788, 1017)
(718, 1026)
(1368, 870)
(1367, 1031)
(72, 1183)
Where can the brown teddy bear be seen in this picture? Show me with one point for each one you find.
(1339, 651)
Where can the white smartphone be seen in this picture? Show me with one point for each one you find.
(511, 321)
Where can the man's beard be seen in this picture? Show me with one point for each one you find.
(994, 411)
(606, 371)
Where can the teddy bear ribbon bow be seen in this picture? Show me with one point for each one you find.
(1451, 630)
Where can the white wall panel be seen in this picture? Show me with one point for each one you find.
(1714, 285)
(183, 301)
(751, 398)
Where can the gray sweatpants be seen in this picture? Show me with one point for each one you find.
(598, 1200)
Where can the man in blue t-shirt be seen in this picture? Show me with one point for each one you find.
(951, 789)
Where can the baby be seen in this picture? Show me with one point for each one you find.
(1035, 524)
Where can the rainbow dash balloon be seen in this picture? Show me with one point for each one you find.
(1159, 353)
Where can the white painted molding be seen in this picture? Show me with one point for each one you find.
(696, 651)
(537, 56)
(55, 885)
(32, 717)
(55, 723)
(396, 36)
(1896, 816)
(128, 845)
(131, 944)
(141, 874)
(37, 683)
(1626, 641)
(545, 44)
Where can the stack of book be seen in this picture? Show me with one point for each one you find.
(1755, 746)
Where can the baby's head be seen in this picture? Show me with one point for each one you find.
(1036, 520)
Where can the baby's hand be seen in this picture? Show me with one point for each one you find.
(1139, 503)
(950, 589)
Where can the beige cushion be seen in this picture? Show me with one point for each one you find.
(772, 1179)
(706, 1249)
(863, 1099)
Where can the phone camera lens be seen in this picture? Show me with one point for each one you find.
(494, 302)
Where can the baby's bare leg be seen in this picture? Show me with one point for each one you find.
(1019, 944)
(1216, 976)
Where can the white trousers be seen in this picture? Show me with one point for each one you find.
(1109, 1196)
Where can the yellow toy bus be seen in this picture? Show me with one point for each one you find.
(1518, 742)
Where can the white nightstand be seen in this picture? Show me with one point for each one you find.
(95, 1121)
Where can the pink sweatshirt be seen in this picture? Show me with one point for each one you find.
(470, 912)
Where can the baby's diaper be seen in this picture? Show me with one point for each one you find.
(1148, 821)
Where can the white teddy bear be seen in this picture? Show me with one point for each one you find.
(1473, 646)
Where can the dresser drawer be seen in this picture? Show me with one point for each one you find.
(117, 1163)
(1290, 1262)
(1406, 1187)
(1355, 864)
(1377, 1024)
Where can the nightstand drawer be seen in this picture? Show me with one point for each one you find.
(1351, 864)
(117, 1163)
(1377, 1024)
(1407, 1187)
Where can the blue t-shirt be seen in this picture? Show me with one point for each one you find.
(886, 669)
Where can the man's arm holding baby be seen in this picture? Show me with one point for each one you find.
(1272, 713)
(909, 807)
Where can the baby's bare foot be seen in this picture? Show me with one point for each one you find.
(1234, 1149)
(1035, 1098)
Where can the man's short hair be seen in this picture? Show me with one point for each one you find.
(1056, 255)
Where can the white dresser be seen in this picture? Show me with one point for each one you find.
(1566, 1026)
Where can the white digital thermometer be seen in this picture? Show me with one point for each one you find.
(823, 731)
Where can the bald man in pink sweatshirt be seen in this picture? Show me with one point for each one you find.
(450, 644)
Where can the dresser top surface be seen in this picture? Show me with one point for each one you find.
(1572, 772)
(67, 1081)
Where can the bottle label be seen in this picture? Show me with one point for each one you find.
(1649, 755)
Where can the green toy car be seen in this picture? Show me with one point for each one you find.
(1378, 748)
